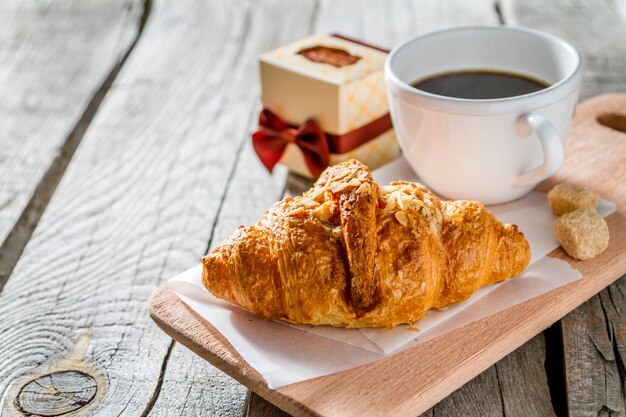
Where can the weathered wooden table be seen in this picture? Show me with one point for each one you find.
(125, 156)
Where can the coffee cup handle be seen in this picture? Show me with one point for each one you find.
(551, 144)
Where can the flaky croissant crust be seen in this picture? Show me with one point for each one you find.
(350, 253)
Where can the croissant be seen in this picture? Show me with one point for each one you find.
(350, 253)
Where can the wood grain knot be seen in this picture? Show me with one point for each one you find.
(613, 121)
(57, 393)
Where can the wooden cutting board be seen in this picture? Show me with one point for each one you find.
(412, 380)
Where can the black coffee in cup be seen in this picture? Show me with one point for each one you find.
(479, 84)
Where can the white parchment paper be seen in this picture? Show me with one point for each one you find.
(285, 354)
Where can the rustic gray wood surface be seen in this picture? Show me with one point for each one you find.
(57, 59)
(165, 170)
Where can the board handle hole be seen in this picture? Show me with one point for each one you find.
(613, 121)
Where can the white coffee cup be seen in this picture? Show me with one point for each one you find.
(492, 150)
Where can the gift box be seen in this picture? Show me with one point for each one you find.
(324, 102)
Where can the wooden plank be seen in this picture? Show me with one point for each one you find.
(595, 27)
(57, 60)
(250, 190)
(186, 372)
(411, 380)
(594, 375)
(196, 389)
(480, 397)
(522, 379)
(135, 206)
(592, 371)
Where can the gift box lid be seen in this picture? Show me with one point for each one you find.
(349, 61)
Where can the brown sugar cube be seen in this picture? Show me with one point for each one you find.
(565, 198)
(582, 233)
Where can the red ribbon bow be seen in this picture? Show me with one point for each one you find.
(275, 134)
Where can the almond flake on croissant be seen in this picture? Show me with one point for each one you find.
(348, 253)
